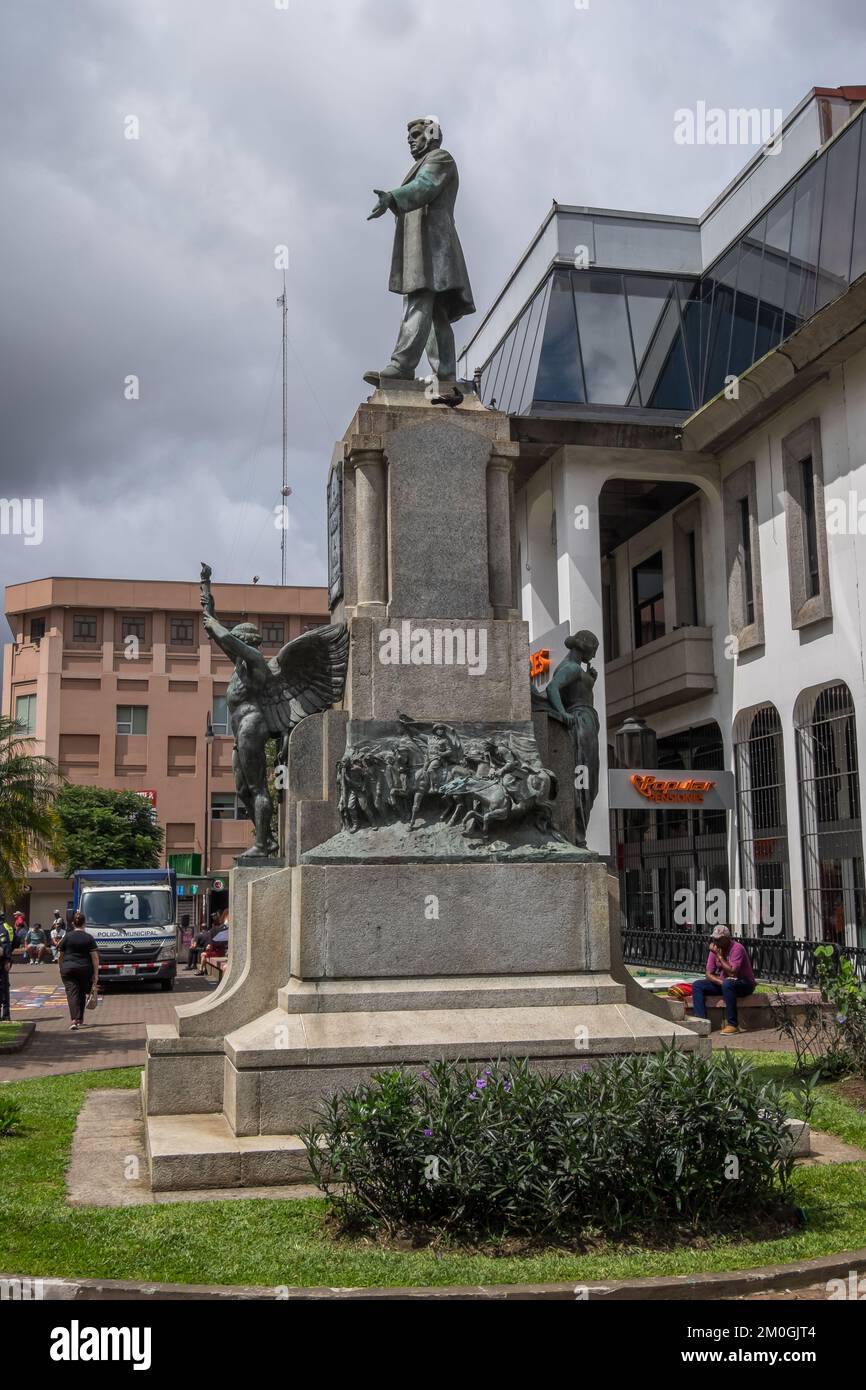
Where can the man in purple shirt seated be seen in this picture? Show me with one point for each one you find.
(729, 973)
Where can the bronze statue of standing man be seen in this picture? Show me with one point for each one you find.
(427, 265)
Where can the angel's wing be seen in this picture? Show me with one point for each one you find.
(307, 676)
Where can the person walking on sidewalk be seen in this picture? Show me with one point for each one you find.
(5, 970)
(728, 973)
(79, 968)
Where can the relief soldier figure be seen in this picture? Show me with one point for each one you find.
(474, 780)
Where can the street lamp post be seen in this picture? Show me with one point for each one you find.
(208, 743)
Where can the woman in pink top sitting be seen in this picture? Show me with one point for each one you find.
(729, 973)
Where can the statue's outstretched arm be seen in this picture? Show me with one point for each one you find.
(231, 645)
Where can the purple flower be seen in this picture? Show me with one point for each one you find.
(473, 1095)
(507, 1085)
(480, 1084)
(840, 1018)
(427, 1133)
(488, 1071)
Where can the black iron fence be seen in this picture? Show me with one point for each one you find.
(773, 958)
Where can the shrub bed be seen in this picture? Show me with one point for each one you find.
(623, 1147)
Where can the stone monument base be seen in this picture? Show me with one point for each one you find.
(364, 949)
(279, 1069)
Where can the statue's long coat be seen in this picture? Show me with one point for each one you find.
(427, 251)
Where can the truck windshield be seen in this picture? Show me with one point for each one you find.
(127, 907)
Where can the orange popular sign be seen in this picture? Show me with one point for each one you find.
(654, 789)
(539, 663)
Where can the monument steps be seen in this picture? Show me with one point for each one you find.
(381, 1038)
(280, 1068)
(448, 992)
(201, 1151)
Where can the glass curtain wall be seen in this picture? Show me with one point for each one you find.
(618, 338)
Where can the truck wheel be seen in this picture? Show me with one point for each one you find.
(167, 984)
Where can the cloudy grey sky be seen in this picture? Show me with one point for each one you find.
(267, 122)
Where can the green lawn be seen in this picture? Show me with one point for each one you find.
(286, 1242)
(9, 1032)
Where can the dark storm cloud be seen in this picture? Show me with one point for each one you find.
(261, 126)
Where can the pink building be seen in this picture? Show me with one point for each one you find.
(115, 680)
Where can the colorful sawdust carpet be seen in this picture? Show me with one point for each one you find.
(38, 996)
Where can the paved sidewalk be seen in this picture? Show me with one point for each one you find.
(116, 1036)
(759, 1040)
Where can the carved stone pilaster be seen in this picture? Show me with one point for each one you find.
(499, 557)
(371, 524)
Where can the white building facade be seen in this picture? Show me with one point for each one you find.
(691, 486)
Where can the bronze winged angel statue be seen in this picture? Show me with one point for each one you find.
(266, 699)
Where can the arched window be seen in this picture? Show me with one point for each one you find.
(761, 819)
(830, 824)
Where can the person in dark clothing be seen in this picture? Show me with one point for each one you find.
(5, 969)
(201, 941)
(79, 968)
(208, 940)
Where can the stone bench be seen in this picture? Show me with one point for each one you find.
(756, 1010)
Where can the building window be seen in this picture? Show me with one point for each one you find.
(37, 629)
(273, 634)
(692, 577)
(743, 558)
(25, 714)
(133, 627)
(830, 823)
(610, 627)
(131, 719)
(813, 577)
(688, 566)
(84, 627)
(182, 632)
(761, 815)
(226, 806)
(748, 573)
(805, 522)
(220, 717)
(649, 600)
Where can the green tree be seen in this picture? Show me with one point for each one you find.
(28, 787)
(102, 829)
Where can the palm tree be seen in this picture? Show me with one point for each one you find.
(28, 787)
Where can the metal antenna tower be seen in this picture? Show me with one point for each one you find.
(285, 490)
